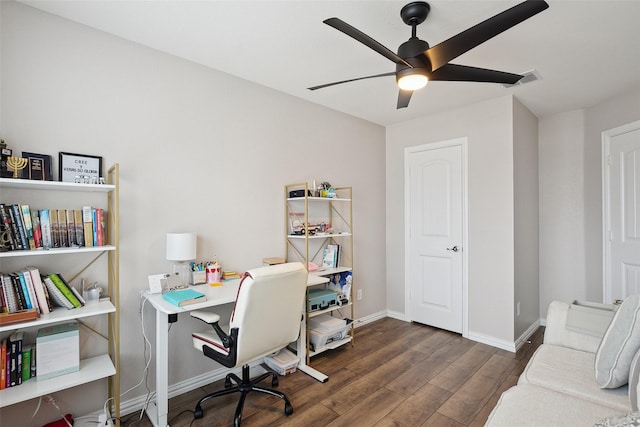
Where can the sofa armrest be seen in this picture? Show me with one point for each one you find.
(579, 326)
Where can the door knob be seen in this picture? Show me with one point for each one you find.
(454, 249)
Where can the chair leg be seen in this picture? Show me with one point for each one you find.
(244, 386)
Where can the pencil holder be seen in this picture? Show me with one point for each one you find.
(198, 278)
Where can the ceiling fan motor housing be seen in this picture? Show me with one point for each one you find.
(412, 51)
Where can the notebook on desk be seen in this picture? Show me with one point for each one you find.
(184, 297)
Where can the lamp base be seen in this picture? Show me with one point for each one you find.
(183, 272)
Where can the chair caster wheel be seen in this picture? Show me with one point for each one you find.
(227, 383)
(197, 413)
(274, 382)
(288, 409)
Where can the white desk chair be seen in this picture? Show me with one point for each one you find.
(266, 318)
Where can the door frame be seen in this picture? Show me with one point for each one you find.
(463, 143)
(606, 206)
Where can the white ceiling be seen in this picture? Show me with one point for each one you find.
(585, 51)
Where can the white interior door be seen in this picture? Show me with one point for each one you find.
(622, 212)
(434, 270)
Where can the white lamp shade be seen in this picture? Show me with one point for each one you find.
(181, 246)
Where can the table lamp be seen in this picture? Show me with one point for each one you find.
(181, 247)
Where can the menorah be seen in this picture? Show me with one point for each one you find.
(17, 164)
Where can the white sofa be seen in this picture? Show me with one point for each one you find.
(585, 349)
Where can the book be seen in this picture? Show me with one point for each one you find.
(63, 286)
(41, 297)
(16, 357)
(37, 229)
(94, 222)
(25, 371)
(55, 228)
(71, 228)
(16, 218)
(25, 290)
(9, 293)
(329, 257)
(63, 235)
(77, 220)
(55, 295)
(45, 226)
(26, 275)
(5, 230)
(184, 297)
(87, 225)
(100, 232)
(22, 302)
(3, 364)
(28, 226)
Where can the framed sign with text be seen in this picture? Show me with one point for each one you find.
(79, 167)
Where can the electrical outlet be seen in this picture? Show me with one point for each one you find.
(359, 295)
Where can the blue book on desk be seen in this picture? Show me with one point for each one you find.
(184, 297)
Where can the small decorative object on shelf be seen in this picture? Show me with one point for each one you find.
(40, 166)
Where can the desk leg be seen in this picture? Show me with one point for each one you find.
(301, 348)
(158, 410)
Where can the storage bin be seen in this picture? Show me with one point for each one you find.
(283, 362)
(325, 329)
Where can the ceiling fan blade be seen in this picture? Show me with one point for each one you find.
(404, 96)
(392, 73)
(444, 52)
(463, 73)
(353, 32)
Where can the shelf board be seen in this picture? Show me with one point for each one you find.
(57, 251)
(331, 346)
(316, 199)
(61, 314)
(316, 236)
(327, 310)
(329, 271)
(91, 369)
(26, 184)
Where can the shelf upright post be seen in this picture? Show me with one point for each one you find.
(114, 287)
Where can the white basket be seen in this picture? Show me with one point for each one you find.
(283, 362)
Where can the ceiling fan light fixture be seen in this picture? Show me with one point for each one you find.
(412, 80)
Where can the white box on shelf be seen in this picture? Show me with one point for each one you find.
(325, 329)
(283, 362)
(57, 350)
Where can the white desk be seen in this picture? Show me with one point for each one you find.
(158, 410)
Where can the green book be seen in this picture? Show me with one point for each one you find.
(64, 288)
(26, 363)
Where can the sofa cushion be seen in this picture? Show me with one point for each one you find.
(619, 345)
(570, 371)
(529, 405)
(634, 383)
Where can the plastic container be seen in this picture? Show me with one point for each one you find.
(325, 329)
(283, 362)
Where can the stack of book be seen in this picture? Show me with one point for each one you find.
(17, 361)
(25, 228)
(28, 292)
(230, 275)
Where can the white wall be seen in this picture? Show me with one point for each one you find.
(570, 152)
(198, 150)
(526, 219)
(488, 127)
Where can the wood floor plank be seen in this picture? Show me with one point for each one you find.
(369, 410)
(417, 408)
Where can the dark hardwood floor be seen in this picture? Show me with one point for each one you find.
(396, 374)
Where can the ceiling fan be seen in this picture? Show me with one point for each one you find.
(417, 63)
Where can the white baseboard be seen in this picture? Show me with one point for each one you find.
(396, 315)
(527, 334)
(370, 318)
(492, 341)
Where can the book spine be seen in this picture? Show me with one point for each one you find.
(37, 229)
(13, 362)
(25, 370)
(6, 229)
(25, 290)
(87, 224)
(18, 361)
(94, 221)
(28, 226)
(18, 228)
(9, 293)
(3, 364)
(39, 290)
(45, 225)
(62, 228)
(77, 219)
(57, 280)
(100, 224)
(55, 229)
(22, 304)
(31, 289)
(71, 228)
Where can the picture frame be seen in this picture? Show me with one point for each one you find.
(74, 165)
(45, 170)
